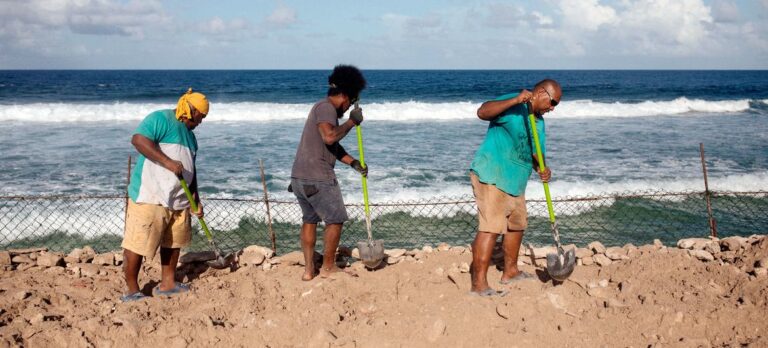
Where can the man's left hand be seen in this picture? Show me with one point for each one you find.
(359, 167)
(545, 175)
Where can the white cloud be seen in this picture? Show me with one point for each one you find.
(282, 16)
(586, 14)
(674, 26)
(725, 11)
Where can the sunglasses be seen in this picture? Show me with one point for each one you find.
(552, 101)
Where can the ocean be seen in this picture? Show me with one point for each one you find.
(68, 132)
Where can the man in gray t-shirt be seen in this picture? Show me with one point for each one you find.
(313, 179)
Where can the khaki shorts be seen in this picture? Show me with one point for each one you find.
(148, 226)
(498, 211)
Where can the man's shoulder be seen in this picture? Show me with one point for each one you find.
(507, 96)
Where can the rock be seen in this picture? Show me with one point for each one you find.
(541, 253)
(106, 259)
(658, 244)
(692, 243)
(427, 249)
(293, 258)
(464, 267)
(443, 247)
(74, 256)
(582, 253)
(252, 258)
(87, 255)
(394, 260)
(355, 253)
(5, 258)
(418, 255)
(36, 319)
(732, 243)
(458, 249)
(597, 247)
(436, 330)
(196, 256)
(267, 252)
(266, 266)
(760, 272)
(118, 259)
(587, 261)
(86, 269)
(701, 255)
(601, 260)
(394, 253)
(616, 254)
(22, 259)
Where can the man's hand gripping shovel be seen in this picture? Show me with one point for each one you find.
(221, 262)
(559, 265)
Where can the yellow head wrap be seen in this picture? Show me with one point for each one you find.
(197, 99)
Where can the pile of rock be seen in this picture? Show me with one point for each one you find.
(80, 261)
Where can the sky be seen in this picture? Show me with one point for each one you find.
(392, 34)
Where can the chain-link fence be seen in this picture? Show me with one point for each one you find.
(65, 222)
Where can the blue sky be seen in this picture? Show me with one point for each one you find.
(394, 34)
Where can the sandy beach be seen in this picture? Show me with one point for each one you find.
(699, 293)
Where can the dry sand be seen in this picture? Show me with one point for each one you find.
(647, 296)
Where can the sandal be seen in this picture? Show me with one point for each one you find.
(522, 275)
(177, 289)
(489, 293)
(133, 297)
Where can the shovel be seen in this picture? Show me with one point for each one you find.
(371, 251)
(559, 265)
(220, 262)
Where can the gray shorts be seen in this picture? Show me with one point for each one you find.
(320, 200)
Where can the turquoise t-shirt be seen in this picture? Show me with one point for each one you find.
(504, 158)
(152, 183)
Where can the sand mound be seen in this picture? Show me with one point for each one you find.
(632, 296)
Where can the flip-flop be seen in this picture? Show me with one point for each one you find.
(177, 289)
(523, 275)
(133, 297)
(489, 293)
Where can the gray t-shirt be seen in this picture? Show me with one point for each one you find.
(314, 159)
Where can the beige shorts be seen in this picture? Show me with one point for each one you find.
(148, 226)
(498, 211)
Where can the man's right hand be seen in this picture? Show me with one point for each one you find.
(525, 96)
(356, 115)
(175, 167)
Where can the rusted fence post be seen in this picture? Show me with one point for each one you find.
(707, 194)
(266, 202)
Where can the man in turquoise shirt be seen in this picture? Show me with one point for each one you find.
(499, 175)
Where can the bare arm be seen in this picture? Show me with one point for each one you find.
(493, 108)
(151, 151)
(332, 134)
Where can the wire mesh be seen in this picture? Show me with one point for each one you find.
(66, 222)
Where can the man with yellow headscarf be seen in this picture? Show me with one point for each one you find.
(158, 210)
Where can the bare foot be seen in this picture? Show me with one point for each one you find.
(326, 272)
(307, 276)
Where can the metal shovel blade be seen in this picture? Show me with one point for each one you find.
(371, 252)
(222, 262)
(560, 265)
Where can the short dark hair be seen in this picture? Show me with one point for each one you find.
(346, 79)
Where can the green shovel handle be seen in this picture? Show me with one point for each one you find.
(362, 162)
(541, 166)
(194, 208)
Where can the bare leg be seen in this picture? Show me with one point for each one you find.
(131, 266)
(308, 239)
(482, 248)
(511, 244)
(169, 258)
(331, 241)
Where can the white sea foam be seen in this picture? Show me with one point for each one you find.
(392, 111)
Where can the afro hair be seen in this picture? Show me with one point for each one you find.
(346, 79)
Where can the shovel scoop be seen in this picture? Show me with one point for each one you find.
(560, 265)
(220, 262)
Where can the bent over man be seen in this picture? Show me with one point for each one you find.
(313, 179)
(499, 175)
(158, 210)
